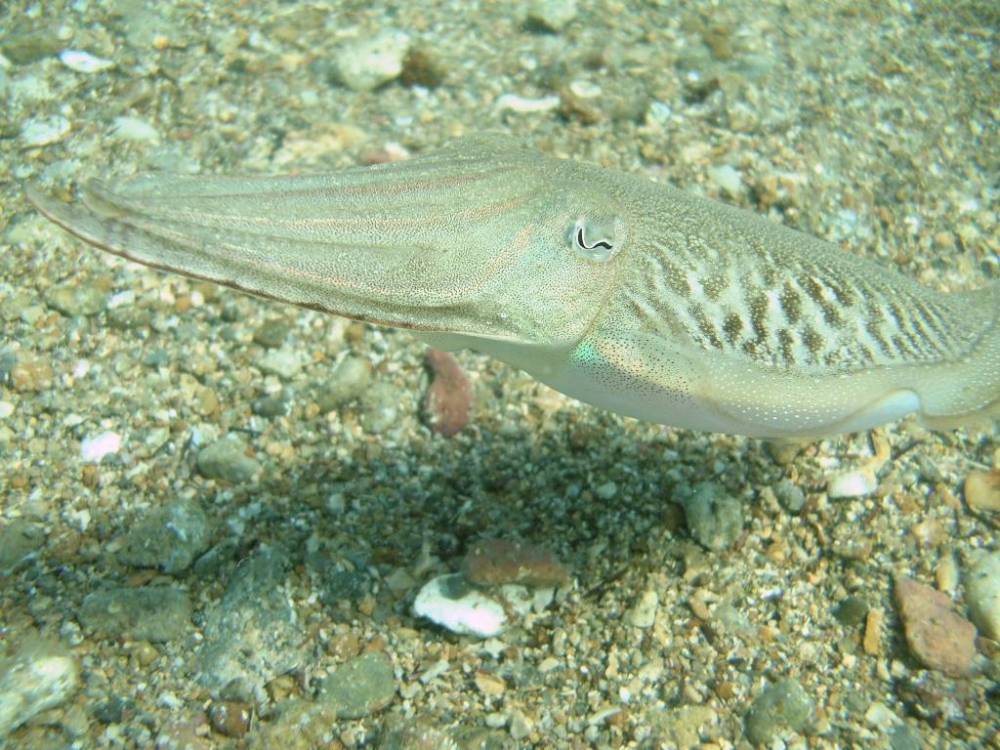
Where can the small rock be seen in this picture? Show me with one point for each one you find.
(366, 64)
(146, 613)
(134, 130)
(44, 131)
(285, 362)
(361, 687)
(380, 408)
(20, 540)
(348, 381)
(36, 677)
(643, 612)
(550, 15)
(494, 562)
(857, 483)
(226, 459)
(231, 718)
(852, 610)
(76, 299)
(982, 490)
(682, 727)
(253, 634)
(982, 592)
(94, 448)
(422, 67)
(789, 495)
(727, 178)
(450, 602)
(714, 518)
(780, 707)
(83, 62)
(169, 538)
(905, 737)
(938, 636)
(272, 333)
(448, 403)
(31, 373)
(271, 406)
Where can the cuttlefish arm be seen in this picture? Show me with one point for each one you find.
(614, 289)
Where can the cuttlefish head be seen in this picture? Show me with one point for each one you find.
(483, 243)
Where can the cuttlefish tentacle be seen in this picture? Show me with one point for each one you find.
(611, 288)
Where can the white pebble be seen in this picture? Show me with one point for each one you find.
(135, 130)
(94, 448)
(42, 131)
(448, 601)
(83, 62)
(515, 103)
(856, 483)
(982, 592)
(6, 409)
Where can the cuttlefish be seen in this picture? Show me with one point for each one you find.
(614, 289)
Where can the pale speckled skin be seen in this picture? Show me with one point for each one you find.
(611, 288)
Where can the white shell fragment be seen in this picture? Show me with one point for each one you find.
(856, 483)
(83, 62)
(450, 602)
(94, 448)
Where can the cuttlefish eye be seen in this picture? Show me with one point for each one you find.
(598, 237)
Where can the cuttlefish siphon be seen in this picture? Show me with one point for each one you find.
(609, 287)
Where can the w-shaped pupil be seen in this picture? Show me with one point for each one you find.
(582, 242)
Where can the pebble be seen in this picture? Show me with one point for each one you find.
(681, 728)
(226, 459)
(851, 610)
(43, 131)
(448, 403)
(495, 562)
(272, 333)
(83, 62)
(857, 483)
(937, 635)
(982, 592)
(37, 676)
(76, 299)
(523, 105)
(231, 718)
(727, 178)
(714, 517)
(285, 362)
(31, 373)
(780, 707)
(93, 449)
(792, 498)
(20, 541)
(982, 490)
(366, 64)
(146, 613)
(361, 687)
(449, 601)
(252, 635)
(349, 379)
(643, 612)
(134, 130)
(551, 15)
(380, 408)
(169, 538)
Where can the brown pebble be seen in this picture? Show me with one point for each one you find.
(982, 490)
(937, 635)
(495, 562)
(31, 373)
(231, 718)
(449, 398)
(872, 641)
